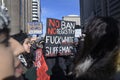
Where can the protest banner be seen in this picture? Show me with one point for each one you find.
(34, 28)
(59, 37)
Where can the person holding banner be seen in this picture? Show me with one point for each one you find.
(40, 63)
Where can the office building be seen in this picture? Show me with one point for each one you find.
(30, 12)
(91, 8)
(74, 18)
(21, 13)
(14, 13)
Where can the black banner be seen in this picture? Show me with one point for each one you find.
(59, 37)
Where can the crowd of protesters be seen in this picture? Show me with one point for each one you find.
(17, 61)
(22, 56)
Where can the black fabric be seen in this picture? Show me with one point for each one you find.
(101, 45)
(20, 37)
(28, 57)
(10, 78)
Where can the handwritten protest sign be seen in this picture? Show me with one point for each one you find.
(59, 37)
(34, 28)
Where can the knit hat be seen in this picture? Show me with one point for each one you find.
(4, 23)
(20, 37)
(4, 19)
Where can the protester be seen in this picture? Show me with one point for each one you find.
(6, 54)
(17, 49)
(98, 59)
(40, 63)
(26, 58)
(31, 71)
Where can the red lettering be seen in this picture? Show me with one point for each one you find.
(51, 31)
(54, 23)
(51, 22)
(57, 23)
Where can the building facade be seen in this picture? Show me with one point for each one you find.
(22, 12)
(13, 8)
(74, 18)
(30, 12)
(91, 8)
(36, 11)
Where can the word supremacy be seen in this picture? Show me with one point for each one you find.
(59, 37)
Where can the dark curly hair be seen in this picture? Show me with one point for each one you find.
(97, 61)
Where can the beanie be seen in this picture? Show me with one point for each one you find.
(20, 37)
(4, 19)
